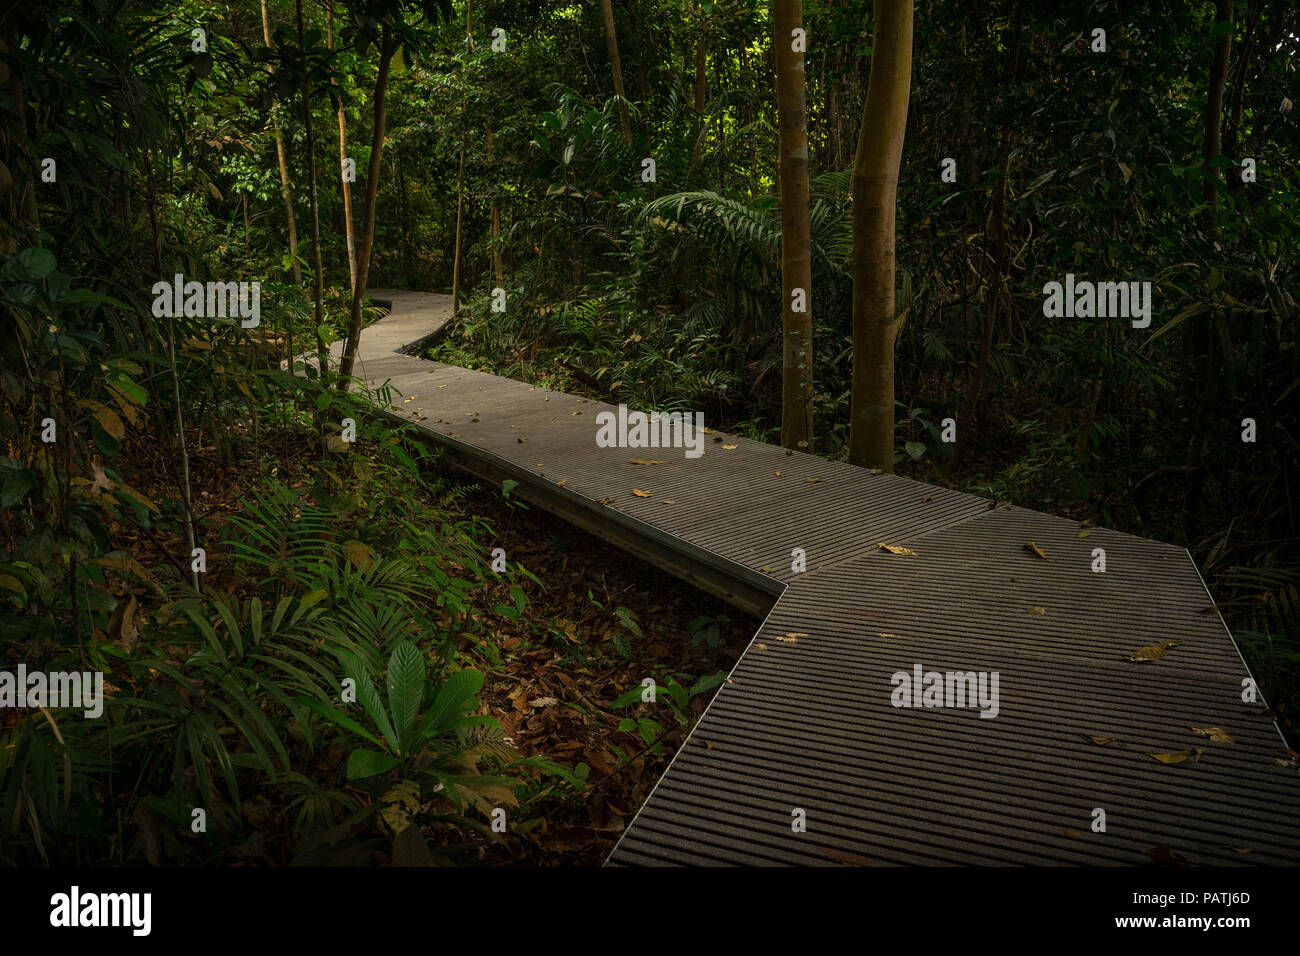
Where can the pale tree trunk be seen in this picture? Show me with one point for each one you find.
(322, 350)
(286, 190)
(611, 41)
(796, 240)
(460, 212)
(386, 50)
(875, 191)
(460, 177)
(497, 271)
(343, 161)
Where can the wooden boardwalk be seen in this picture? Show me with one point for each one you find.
(806, 729)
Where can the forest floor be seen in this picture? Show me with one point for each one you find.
(551, 676)
(555, 698)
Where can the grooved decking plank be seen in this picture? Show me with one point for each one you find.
(806, 718)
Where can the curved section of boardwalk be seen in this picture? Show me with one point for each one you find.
(807, 729)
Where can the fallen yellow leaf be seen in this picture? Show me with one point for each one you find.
(645, 461)
(642, 494)
(1035, 549)
(1154, 652)
(1100, 741)
(1040, 611)
(1178, 756)
(1216, 734)
(894, 548)
(812, 480)
(730, 447)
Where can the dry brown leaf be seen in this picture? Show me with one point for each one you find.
(668, 501)
(1100, 741)
(1164, 856)
(102, 482)
(894, 548)
(1035, 549)
(357, 553)
(1154, 652)
(642, 494)
(813, 480)
(1192, 754)
(121, 624)
(1216, 734)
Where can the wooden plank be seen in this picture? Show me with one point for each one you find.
(808, 718)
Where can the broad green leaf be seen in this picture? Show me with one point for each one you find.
(367, 763)
(450, 701)
(405, 685)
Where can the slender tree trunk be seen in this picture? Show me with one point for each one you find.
(386, 49)
(796, 238)
(997, 267)
(875, 191)
(460, 177)
(1201, 384)
(611, 41)
(322, 350)
(497, 271)
(701, 73)
(643, 80)
(286, 189)
(701, 93)
(460, 212)
(343, 162)
(182, 451)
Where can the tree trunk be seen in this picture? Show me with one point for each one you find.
(1200, 342)
(875, 191)
(497, 271)
(460, 212)
(460, 177)
(343, 161)
(286, 190)
(386, 49)
(322, 350)
(611, 41)
(796, 239)
(997, 266)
